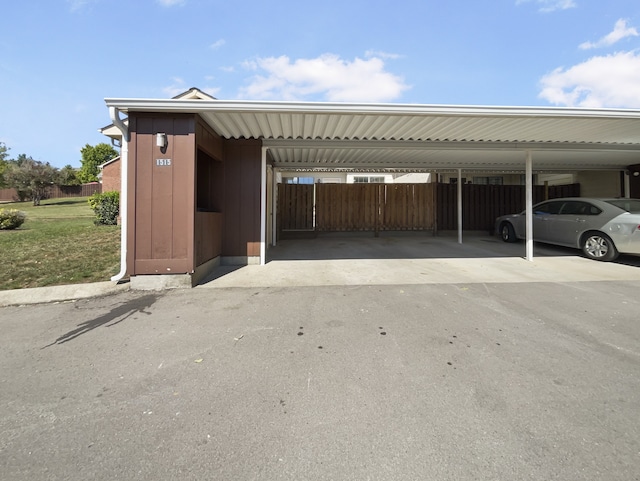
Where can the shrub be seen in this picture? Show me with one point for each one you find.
(106, 207)
(11, 219)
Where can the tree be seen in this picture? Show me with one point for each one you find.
(68, 176)
(20, 159)
(31, 178)
(4, 165)
(92, 158)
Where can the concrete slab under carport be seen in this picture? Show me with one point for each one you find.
(417, 258)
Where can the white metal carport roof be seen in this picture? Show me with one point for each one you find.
(307, 135)
(310, 135)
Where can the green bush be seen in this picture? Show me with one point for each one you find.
(11, 219)
(106, 207)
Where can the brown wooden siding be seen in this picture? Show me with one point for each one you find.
(208, 236)
(162, 210)
(209, 193)
(204, 205)
(208, 141)
(242, 206)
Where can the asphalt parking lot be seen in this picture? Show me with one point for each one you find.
(457, 377)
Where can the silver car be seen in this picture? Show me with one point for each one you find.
(602, 228)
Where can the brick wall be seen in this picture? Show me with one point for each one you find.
(111, 176)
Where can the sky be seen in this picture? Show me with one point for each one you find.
(59, 59)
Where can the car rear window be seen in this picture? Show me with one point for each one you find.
(552, 207)
(630, 205)
(576, 207)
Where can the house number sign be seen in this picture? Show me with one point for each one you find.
(163, 162)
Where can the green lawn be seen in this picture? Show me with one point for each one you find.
(57, 244)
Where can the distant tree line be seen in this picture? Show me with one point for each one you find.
(32, 178)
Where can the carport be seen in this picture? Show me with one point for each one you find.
(307, 136)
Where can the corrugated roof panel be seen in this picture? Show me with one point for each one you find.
(382, 158)
(473, 129)
(319, 127)
(264, 125)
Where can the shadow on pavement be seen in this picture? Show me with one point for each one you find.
(117, 314)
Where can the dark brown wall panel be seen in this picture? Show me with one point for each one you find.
(242, 167)
(162, 192)
(482, 204)
(634, 181)
(208, 141)
(183, 189)
(141, 151)
(162, 195)
(208, 236)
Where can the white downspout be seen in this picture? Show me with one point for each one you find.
(529, 207)
(274, 207)
(459, 206)
(124, 190)
(263, 208)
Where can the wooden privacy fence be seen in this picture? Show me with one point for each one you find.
(396, 207)
(481, 204)
(295, 207)
(84, 190)
(355, 207)
(57, 191)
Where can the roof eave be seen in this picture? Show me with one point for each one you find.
(249, 106)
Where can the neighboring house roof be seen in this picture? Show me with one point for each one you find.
(194, 93)
(112, 131)
(412, 178)
(108, 162)
(305, 135)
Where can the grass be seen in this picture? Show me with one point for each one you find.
(57, 244)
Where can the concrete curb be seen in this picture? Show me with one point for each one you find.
(40, 295)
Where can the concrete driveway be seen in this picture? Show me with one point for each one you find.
(434, 380)
(411, 258)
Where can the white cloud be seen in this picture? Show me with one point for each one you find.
(604, 81)
(385, 55)
(327, 76)
(176, 88)
(547, 6)
(620, 31)
(171, 3)
(217, 44)
(75, 5)
(213, 91)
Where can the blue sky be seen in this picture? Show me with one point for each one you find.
(59, 59)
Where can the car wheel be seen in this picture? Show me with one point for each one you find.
(598, 246)
(507, 232)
